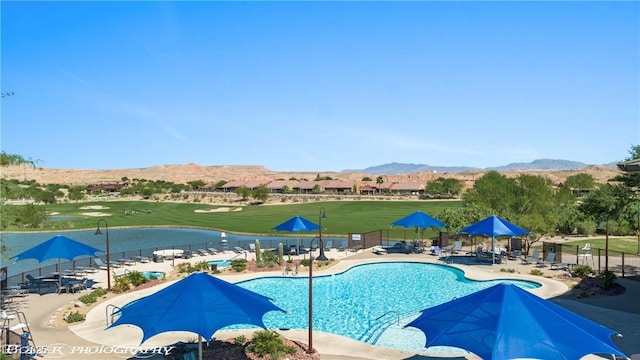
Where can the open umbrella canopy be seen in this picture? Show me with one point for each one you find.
(58, 247)
(296, 224)
(494, 226)
(418, 219)
(199, 303)
(507, 322)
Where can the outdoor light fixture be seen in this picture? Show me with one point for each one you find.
(606, 241)
(323, 215)
(98, 232)
(310, 348)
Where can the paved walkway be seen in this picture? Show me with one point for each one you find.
(620, 313)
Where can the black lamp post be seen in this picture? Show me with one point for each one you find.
(606, 242)
(606, 245)
(98, 232)
(323, 215)
(310, 349)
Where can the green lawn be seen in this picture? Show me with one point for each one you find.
(627, 245)
(342, 217)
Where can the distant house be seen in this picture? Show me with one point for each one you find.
(368, 188)
(338, 186)
(105, 187)
(306, 187)
(277, 185)
(232, 186)
(407, 188)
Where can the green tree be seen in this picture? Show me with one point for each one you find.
(196, 184)
(493, 191)
(76, 193)
(366, 178)
(379, 182)
(444, 186)
(582, 181)
(243, 191)
(46, 197)
(261, 193)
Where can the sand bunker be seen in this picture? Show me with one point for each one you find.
(54, 213)
(220, 209)
(93, 207)
(96, 213)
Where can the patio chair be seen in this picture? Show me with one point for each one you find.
(549, 260)
(343, 246)
(252, 247)
(238, 250)
(457, 247)
(37, 282)
(103, 266)
(80, 285)
(533, 258)
(328, 245)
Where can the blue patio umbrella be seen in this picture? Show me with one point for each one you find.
(199, 303)
(418, 220)
(297, 224)
(58, 247)
(507, 322)
(494, 226)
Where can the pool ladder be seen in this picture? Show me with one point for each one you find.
(111, 315)
(376, 327)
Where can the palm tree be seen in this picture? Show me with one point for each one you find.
(379, 181)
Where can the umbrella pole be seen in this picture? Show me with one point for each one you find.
(199, 347)
(493, 250)
(59, 277)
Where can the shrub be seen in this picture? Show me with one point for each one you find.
(581, 271)
(241, 339)
(239, 265)
(121, 285)
(537, 272)
(74, 317)
(93, 296)
(607, 279)
(136, 278)
(271, 343)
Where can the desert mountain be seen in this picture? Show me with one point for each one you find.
(211, 174)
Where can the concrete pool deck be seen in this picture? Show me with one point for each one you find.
(620, 313)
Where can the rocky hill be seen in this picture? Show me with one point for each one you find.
(212, 174)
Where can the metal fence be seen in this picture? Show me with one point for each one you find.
(220, 245)
(620, 263)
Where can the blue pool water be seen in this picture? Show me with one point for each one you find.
(221, 263)
(155, 274)
(350, 303)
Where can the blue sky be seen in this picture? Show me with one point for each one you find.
(319, 86)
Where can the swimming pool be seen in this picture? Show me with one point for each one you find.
(367, 300)
(220, 263)
(154, 274)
